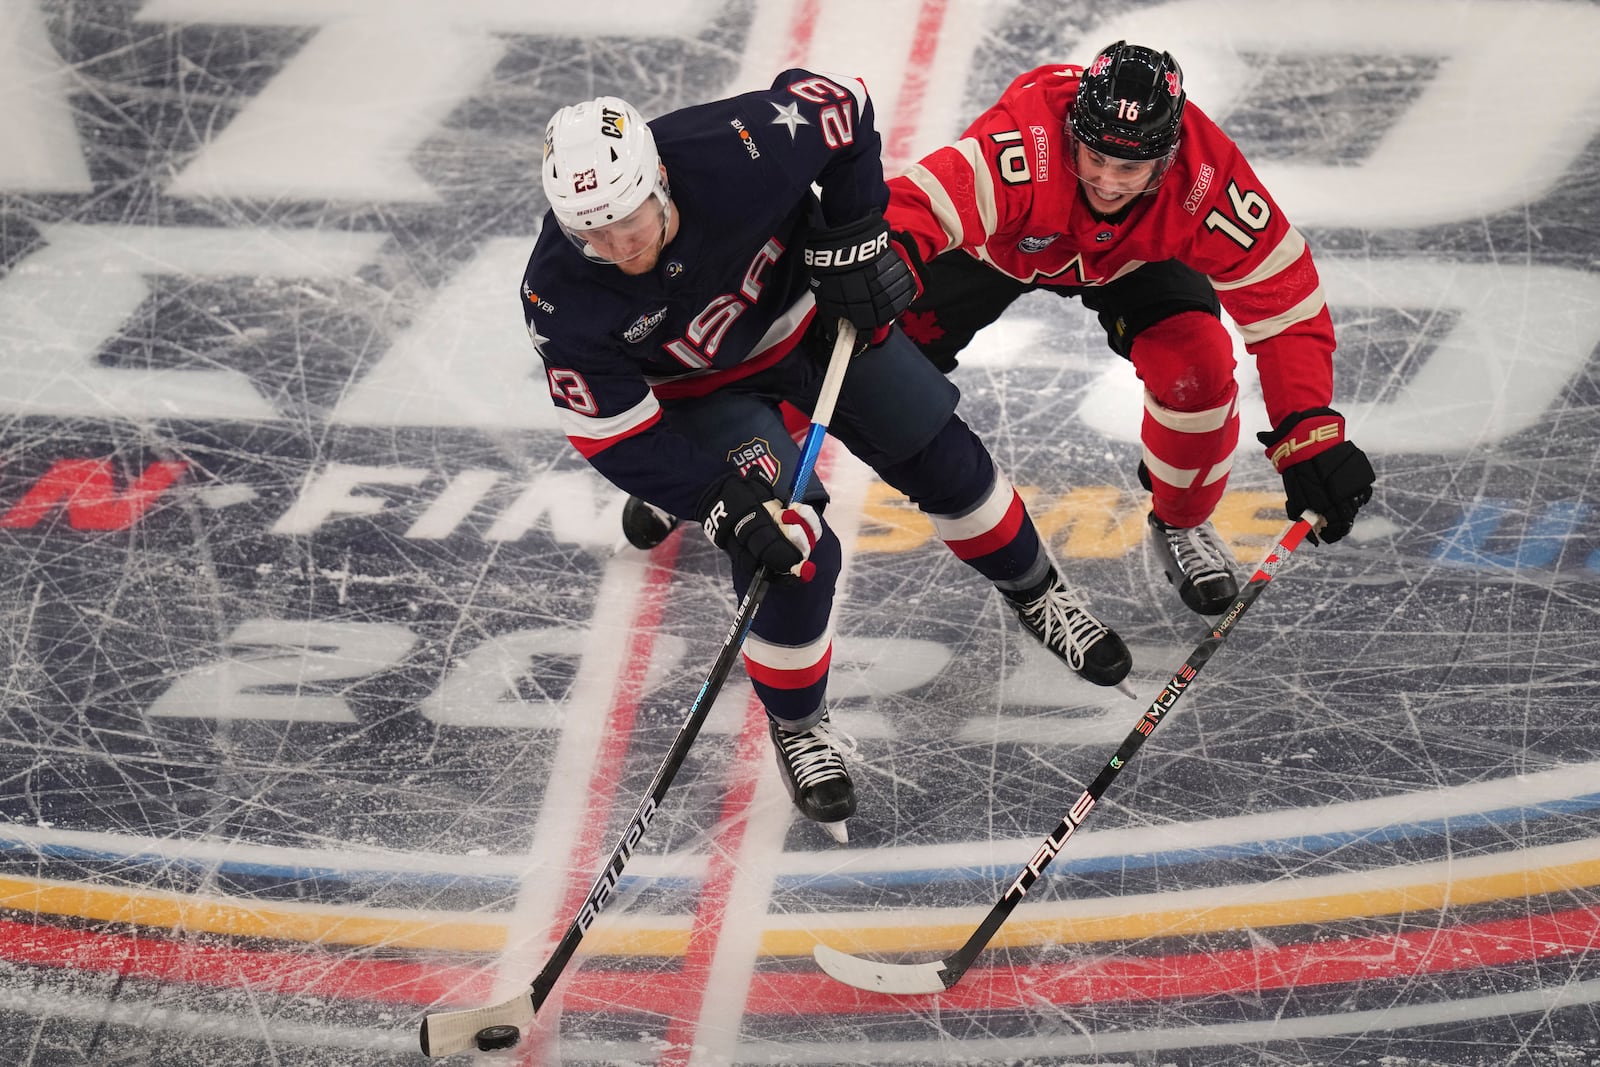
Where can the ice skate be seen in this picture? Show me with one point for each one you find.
(1198, 563)
(645, 525)
(1066, 628)
(814, 773)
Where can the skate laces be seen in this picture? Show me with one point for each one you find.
(1060, 622)
(1199, 551)
(818, 754)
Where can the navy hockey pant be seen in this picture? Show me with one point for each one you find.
(897, 414)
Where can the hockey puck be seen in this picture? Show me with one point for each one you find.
(492, 1037)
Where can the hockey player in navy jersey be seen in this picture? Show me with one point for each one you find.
(1105, 184)
(671, 302)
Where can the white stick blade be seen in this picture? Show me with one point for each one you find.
(445, 1033)
(900, 979)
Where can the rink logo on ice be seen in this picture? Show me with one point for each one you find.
(642, 327)
(86, 490)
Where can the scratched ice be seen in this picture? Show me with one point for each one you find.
(328, 689)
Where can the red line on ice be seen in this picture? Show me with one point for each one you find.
(718, 887)
(328, 972)
(908, 108)
(606, 773)
(712, 905)
(802, 28)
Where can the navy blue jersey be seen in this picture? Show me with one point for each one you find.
(729, 295)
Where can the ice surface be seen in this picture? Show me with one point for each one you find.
(329, 687)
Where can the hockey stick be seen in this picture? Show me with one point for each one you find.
(908, 978)
(444, 1033)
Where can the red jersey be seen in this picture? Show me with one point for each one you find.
(1007, 193)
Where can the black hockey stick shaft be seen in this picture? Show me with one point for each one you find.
(955, 966)
(605, 885)
(446, 1032)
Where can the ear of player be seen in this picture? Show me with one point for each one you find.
(743, 517)
(863, 274)
(1322, 471)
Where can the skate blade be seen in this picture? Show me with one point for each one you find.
(1127, 690)
(837, 830)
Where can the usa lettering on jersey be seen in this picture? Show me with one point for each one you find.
(699, 343)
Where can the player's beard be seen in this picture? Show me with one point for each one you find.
(644, 262)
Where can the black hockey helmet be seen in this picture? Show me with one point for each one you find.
(1130, 102)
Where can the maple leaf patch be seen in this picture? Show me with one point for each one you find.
(922, 326)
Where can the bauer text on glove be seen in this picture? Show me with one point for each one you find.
(1322, 472)
(861, 273)
(743, 517)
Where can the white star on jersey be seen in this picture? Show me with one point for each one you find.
(538, 338)
(789, 116)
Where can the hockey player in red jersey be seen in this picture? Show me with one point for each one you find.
(1106, 184)
(684, 289)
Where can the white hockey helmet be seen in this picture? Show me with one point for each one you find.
(600, 166)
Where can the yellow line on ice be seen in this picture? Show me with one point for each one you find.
(1349, 895)
(315, 924)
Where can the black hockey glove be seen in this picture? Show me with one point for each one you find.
(1321, 470)
(860, 273)
(743, 517)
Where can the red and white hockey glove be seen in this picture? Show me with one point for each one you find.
(743, 517)
(1321, 470)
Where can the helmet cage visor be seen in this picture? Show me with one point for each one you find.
(1158, 174)
(606, 239)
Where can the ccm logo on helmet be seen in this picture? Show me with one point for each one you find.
(824, 258)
